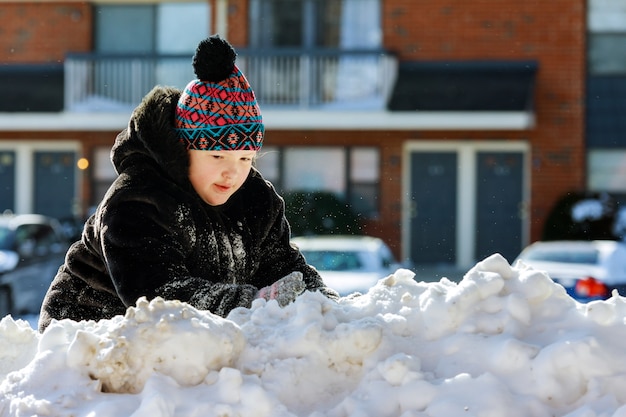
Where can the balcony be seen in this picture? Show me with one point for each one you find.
(282, 79)
(297, 89)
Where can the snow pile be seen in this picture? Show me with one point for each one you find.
(505, 341)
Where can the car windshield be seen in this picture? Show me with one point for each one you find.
(333, 260)
(6, 241)
(578, 256)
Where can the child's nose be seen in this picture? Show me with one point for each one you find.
(230, 170)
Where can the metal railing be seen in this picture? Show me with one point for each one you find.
(303, 79)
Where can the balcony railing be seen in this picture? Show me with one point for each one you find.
(291, 79)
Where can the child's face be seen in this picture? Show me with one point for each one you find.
(216, 175)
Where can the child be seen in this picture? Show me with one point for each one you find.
(188, 218)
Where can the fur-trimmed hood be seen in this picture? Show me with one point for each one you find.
(150, 133)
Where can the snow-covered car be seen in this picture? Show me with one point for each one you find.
(32, 247)
(589, 270)
(348, 264)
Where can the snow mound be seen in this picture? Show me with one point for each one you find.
(505, 341)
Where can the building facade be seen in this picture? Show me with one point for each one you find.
(605, 129)
(450, 128)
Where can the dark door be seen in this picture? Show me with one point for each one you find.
(499, 204)
(7, 181)
(54, 183)
(433, 207)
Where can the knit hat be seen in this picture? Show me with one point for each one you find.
(218, 111)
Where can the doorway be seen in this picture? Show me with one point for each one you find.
(464, 201)
(7, 181)
(55, 184)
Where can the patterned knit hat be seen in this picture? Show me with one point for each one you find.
(218, 111)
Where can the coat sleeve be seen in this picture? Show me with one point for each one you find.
(146, 242)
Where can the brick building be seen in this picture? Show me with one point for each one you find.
(451, 127)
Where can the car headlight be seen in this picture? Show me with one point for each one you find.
(8, 260)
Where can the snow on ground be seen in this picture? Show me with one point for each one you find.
(505, 341)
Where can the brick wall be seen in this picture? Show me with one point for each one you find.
(551, 32)
(237, 21)
(43, 32)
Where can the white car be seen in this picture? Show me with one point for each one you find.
(348, 264)
(589, 270)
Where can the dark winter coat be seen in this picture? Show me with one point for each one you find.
(152, 235)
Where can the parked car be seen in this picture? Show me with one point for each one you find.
(589, 270)
(348, 264)
(32, 247)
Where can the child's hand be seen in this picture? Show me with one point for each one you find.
(285, 290)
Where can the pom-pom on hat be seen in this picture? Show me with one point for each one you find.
(218, 111)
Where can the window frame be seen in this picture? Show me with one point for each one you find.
(348, 194)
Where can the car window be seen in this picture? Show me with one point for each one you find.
(36, 239)
(45, 239)
(566, 256)
(387, 257)
(23, 234)
(333, 260)
(6, 238)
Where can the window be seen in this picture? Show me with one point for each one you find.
(352, 174)
(606, 23)
(36, 240)
(124, 29)
(364, 175)
(6, 238)
(129, 30)
(174, 27)
(606, 96)
(589, 256)
(607, 53)
(314, 169)
(315, 23)
(294, 23)
(329, 260)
